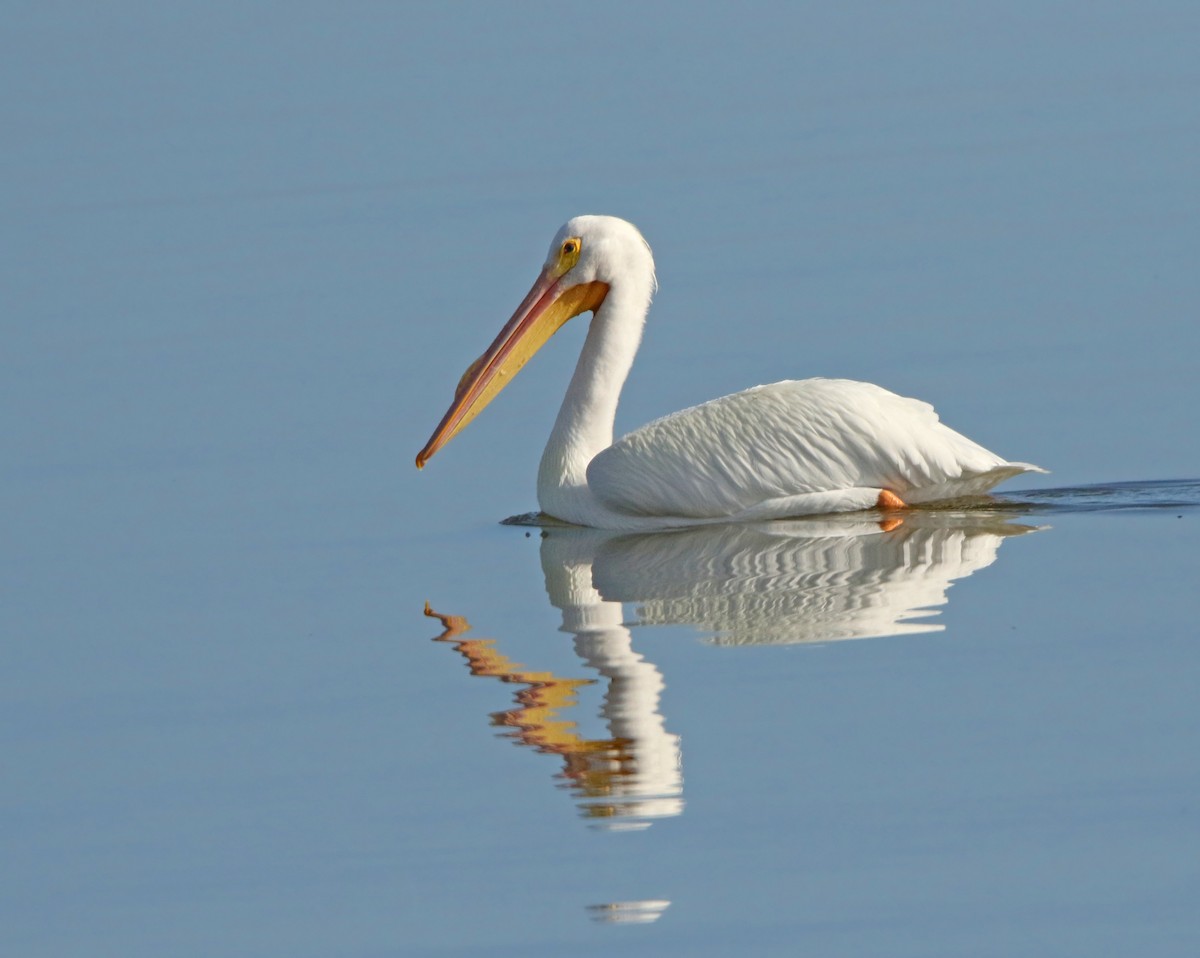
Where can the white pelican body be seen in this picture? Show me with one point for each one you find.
(790, 449)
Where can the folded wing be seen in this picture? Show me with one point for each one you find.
(791, 448)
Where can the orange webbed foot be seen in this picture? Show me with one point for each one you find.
(888, 500)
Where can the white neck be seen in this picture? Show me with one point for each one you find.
(585, 421)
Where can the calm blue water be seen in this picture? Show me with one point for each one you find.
(248, 250)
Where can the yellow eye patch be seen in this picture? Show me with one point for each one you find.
(568, 255)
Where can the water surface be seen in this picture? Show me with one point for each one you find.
(248, 250)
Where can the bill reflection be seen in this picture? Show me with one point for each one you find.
(622, 782)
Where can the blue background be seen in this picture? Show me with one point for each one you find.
(249, 248)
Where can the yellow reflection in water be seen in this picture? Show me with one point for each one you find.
(604, 773)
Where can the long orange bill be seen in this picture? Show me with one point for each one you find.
(541, 314)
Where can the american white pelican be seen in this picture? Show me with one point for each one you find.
(793, 448)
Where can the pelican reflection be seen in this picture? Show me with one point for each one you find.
(810, 580)
(779, 582)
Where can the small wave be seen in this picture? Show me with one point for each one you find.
(1153, 494)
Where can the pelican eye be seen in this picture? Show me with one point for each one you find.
(568, 254)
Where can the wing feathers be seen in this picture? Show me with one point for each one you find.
(791, 439)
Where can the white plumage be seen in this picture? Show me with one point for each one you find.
(793, 448)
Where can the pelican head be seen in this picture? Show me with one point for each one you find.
(593, 260)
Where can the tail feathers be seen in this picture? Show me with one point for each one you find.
(1017, 468)
(970, 483)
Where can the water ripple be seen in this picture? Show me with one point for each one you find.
(1107, 497)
